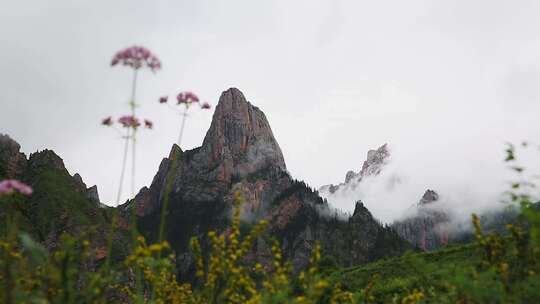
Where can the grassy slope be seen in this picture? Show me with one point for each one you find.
(404, 273)
(57, 207)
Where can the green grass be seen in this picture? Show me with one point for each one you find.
(402, 274)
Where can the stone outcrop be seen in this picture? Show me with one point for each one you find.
(372, 166)
(239, 141)
(12, 161)
(429, 197)
(428, 227)
(93, 195)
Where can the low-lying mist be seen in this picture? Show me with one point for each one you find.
(466, 182)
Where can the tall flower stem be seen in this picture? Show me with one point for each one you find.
(184, 117)
(10, 239)
(130, 134)
(123, 170)
(135, 57)
(133, 106)
(118, 197)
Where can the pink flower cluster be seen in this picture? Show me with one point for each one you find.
(205, 105)
(107, 121)
(137, 57)
(11, 185)
(186, 98)
(128, 121)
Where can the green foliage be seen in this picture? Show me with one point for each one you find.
(30, 275)
(68, 274)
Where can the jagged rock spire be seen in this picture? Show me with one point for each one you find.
(12, 161)
(375, 161)
(240, 138)
(372, 166)
(429, 196)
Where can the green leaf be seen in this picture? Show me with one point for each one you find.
(518, 169)
(509, 153)
(36, 253)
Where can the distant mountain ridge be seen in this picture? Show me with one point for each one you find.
(372, 166)
(427, 224)
(61, 203)
(426, 227)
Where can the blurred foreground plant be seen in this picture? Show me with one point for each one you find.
(224, 274)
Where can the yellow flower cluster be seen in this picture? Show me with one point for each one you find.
(513, 256)
(159, 274)
(229, 278)
(414, 297)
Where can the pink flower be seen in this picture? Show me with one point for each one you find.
(187, 98)
(163, 99)
(148, 124)
(205, 106)
(129, 121)
(10, 185)
(137, 57)
(107, 121)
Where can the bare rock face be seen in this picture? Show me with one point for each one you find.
(92, 194)
(429, 197)
(372, 166)
(238, 145)
(47, 159)
(12, 161)
(349, 176)
(428, 227)
(376, 159)
(239, 141)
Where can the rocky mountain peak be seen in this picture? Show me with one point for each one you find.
(375, 161)
(46, 159)
(240, 137)
(360, 209)
(427, 228)
(239, 143)
(373, 165)
(429, 197)
(8, 145)
(349, 176)
(12, 161)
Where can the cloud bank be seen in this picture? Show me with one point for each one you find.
(465, 180)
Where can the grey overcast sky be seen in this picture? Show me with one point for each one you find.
(445, 83)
